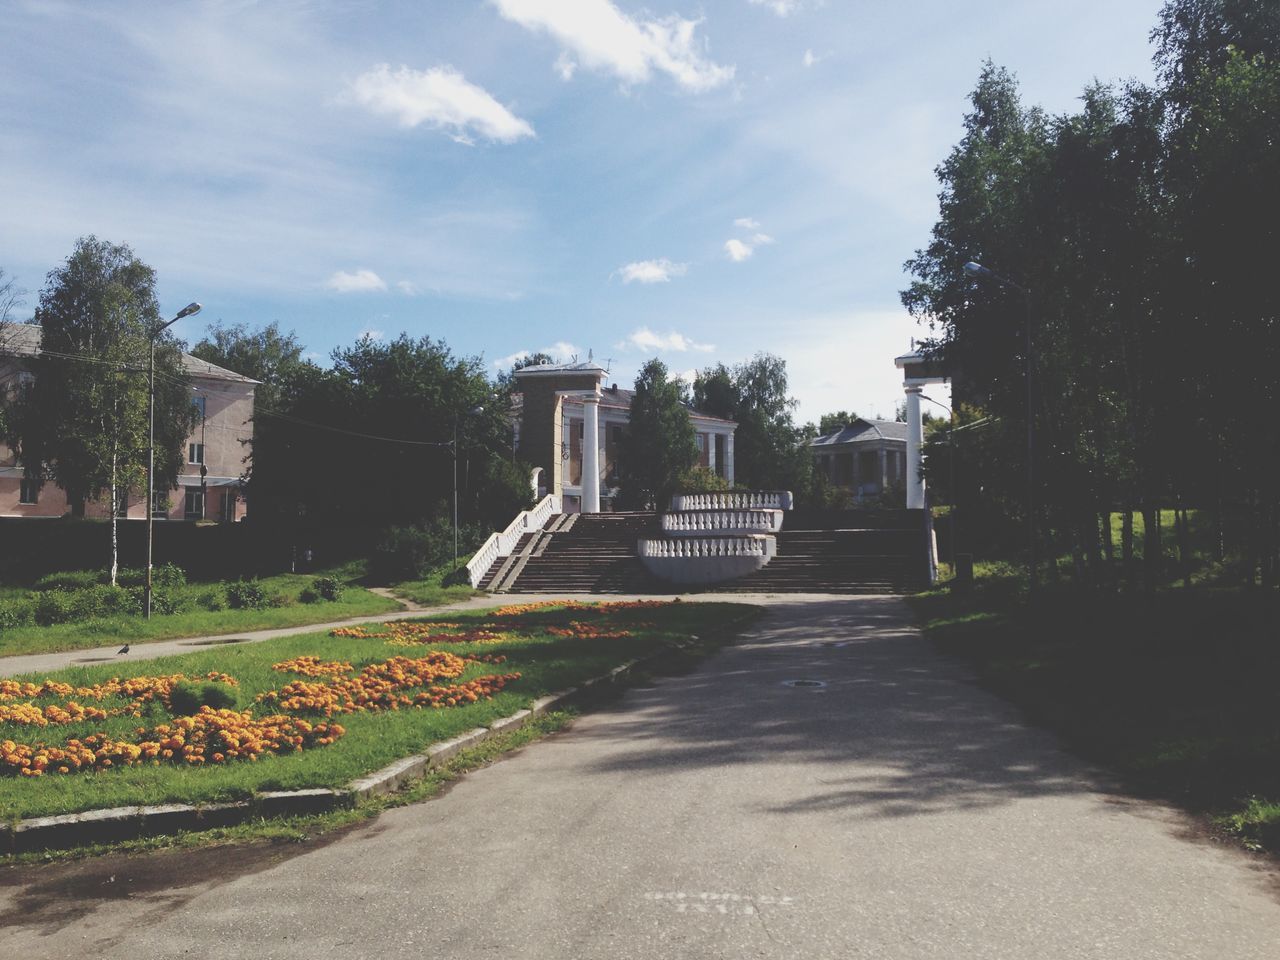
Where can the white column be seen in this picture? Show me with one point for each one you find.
(711, 452)
(728, 458)
(591, 454)
(915, 444)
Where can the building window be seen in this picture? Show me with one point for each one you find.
(195, 453)
(159, 505)
(29, 491)
(194, 507)
(198, 403)
(122, 503)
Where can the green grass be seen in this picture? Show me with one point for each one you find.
(431, 592)
(546, 662)
(1175, 692)
(105, 631)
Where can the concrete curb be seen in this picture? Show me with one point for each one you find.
(129, 823)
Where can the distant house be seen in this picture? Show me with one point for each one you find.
(867, 457)
(209, 486)
(556, 404)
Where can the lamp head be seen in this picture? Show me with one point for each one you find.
(975, 269)
(189, 310)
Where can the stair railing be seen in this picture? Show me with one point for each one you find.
(502, 543)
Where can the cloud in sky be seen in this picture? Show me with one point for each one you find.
(645, 339)
(599, 36)
(652, 271)
(560, 351)
(408, 288)
(738, 249)
(371, 333)
(357, 281)
(810, 58)
(442, 98)
(783, 8)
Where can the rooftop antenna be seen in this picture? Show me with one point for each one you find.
(608, 364)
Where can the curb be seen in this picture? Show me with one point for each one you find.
(129, 823)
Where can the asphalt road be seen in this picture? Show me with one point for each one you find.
(898, 811)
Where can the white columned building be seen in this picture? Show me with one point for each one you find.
(917, 371)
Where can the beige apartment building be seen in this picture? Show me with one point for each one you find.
(209, 486)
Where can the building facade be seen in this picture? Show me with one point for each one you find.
(866, 457)
(568, 424)
(209, 485)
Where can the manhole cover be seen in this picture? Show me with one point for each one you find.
(803, 683)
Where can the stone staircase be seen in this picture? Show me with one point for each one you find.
(855, 551)
(578, 553)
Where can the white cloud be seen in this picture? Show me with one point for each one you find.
(783, 8)
(442, 98)
(408, 288)
(359, 281)
(652, 271)
(371, 333)
(645, 339)
(738, 249)
(598, 35)
(560, 351)
(810, 58)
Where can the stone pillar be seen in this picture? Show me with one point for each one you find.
(728, 459)
(591, 454)
(915, 445)
(711, 452)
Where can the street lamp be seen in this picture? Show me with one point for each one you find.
(471, 413)
(979, 272)
(951, 456)
(189, 310)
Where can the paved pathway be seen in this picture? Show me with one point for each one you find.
(896, 812)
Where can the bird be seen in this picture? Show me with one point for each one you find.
(124, 649)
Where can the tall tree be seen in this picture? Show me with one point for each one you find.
(658, 443)
(267, 355)
(83, 422)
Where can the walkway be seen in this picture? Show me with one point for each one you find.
(896, 812)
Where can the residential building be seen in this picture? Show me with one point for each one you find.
(209, 485)
(868, 457)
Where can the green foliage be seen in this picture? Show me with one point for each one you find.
(830, 423)
(168, 576)
(658, 444)
(18, 612)
(212, 598)
(272, 358)
(701, 480)
(328, 588)
(188, 696)
(411, 552)
(246, 595)
(70, 580)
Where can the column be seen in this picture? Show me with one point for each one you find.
(711, 452)
(591, 453)
(728, 459)
(915, 444)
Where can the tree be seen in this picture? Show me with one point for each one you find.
(267, 355)
(658, 443)
(83, 422)
(833, 422)
(10, 299)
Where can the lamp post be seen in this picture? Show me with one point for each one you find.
(187, 311)
(978, 271)
(471, 413)
(951, 451)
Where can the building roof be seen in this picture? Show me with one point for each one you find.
(864, 431)
(23, 340)
(549, 369)
(614, 397)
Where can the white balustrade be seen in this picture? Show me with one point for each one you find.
(722, 521)
(690, 560)
(737, 500)
(501, 544)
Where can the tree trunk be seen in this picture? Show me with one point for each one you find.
(1151, 550)
(1126, 544)
(115, 519)
(1184, 543)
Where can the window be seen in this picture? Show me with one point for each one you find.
(159, 505)
(195, 453)
(29, 491)
(198, 403)
(194, 508)
(122, 503)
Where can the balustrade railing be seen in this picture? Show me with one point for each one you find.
(751, 545)
(737, 500)
(711, 521)
(501, 544)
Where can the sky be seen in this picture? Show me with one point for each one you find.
(697, 181)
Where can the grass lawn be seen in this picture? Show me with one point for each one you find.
(1177, 693)
(545, 660)
(430, 592)
(104, 631)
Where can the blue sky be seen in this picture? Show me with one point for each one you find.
(693, 180)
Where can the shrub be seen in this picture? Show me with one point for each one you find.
(214, 598)
(277, 600)
(16, 613)
(701, 480)
(164, 576)
(188, 697)
(309, 595)
(408, 553)
(71, 580)
(54, 606)
(329, 588)
(246, 595)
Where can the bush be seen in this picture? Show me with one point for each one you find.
(309, 595)
(329, 588)
(701, 480)
(54, 606)
(277, 600)
(16, 613)
(71, 580)
(187, 697)
(408, 553)
(214, 598)
(164, 576)
(246, 595)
